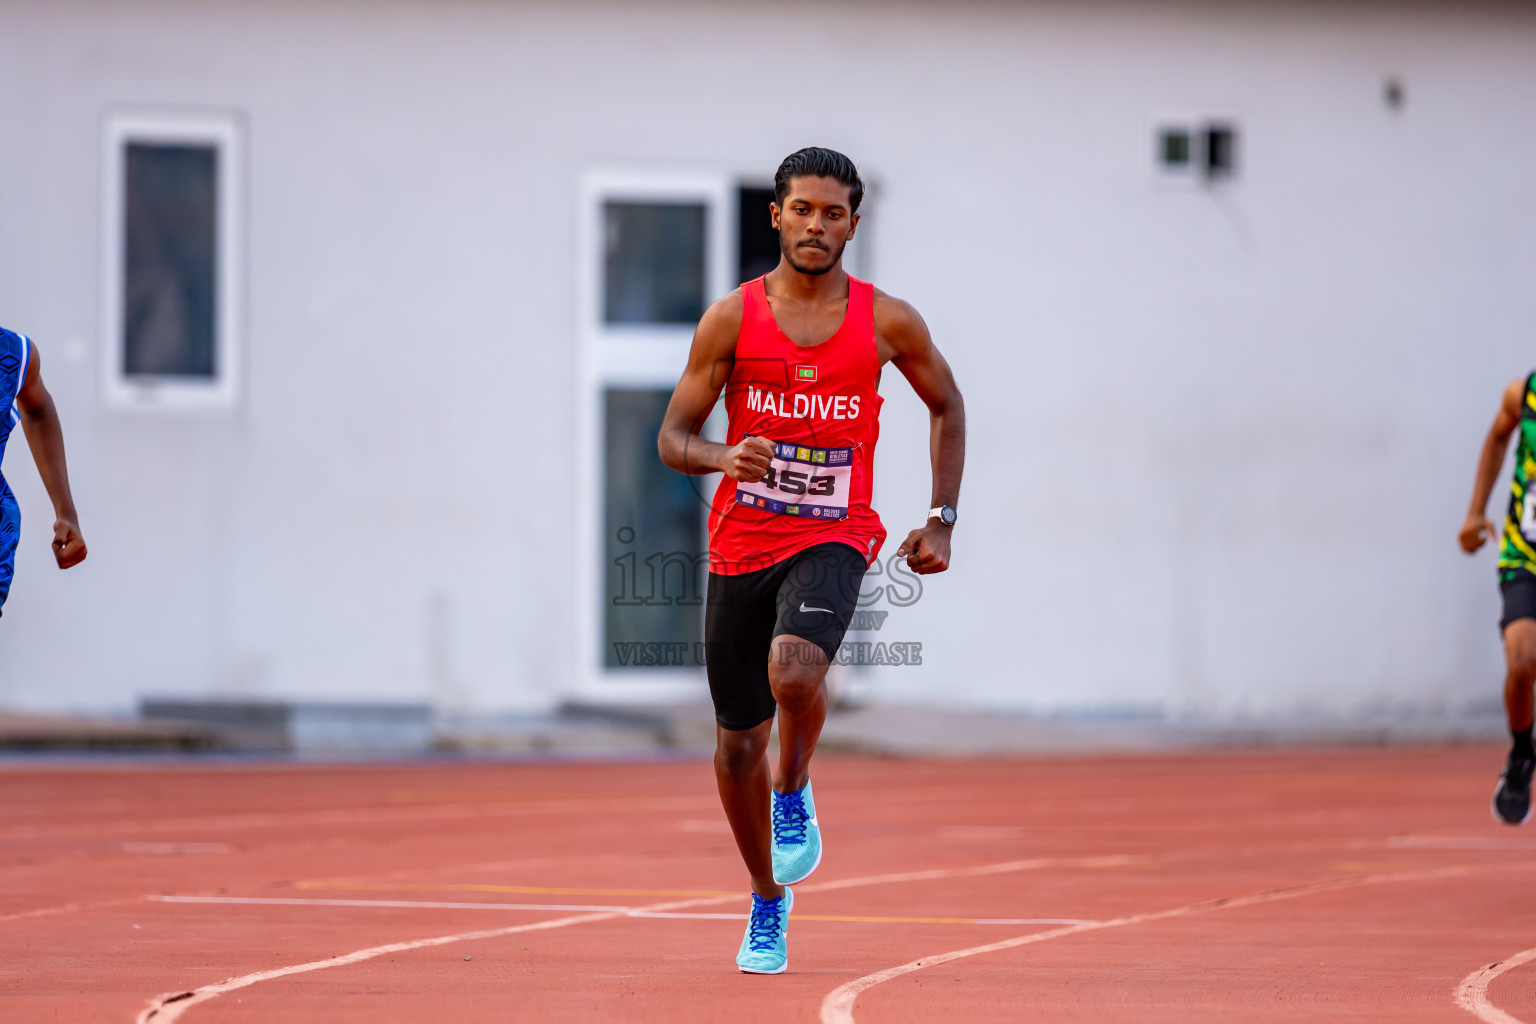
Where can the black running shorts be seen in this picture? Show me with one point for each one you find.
(1519, 598)
(810, 595)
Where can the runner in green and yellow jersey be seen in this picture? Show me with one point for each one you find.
(1517, 582)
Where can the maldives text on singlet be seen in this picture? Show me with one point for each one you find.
(818, 406)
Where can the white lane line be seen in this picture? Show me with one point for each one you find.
(981, 832)
(1460, 843)
(166, 1009)
(171, 1006)
(848, 919)
(281, 901)
(837, 1007)
(175, 849)
(627, 911)
(1472, 993)
(69, 908)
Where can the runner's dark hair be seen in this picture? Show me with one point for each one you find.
(816, 162)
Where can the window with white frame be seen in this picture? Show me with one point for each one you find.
(655, 251)
(171, 268)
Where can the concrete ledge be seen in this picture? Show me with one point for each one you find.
(306, 727)
(920, 731)
(49, 732)
(377, 730)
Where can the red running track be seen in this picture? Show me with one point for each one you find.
(1294, 886)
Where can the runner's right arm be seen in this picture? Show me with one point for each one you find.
(1477, 529)
(709, 367)
(40, 420)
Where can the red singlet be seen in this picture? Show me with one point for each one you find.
(819, 407)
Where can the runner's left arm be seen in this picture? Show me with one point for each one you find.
(903, 338)
(1476, 528)
(45, 436)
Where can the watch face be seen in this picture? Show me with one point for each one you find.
(948, 515)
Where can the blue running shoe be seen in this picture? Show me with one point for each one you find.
(796, 836)
(763, 948)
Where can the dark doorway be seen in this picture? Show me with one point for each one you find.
(758, 248)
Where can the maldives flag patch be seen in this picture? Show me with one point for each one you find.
(805, 373)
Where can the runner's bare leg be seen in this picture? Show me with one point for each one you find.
(741, 772)
(797, 672)
(1520, 657)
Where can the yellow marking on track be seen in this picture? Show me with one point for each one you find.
(474, 796)
(526, 890)
(928, 920)
(1362, 865)
(882, 920)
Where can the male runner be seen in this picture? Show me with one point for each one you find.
(798, 353)
(24, 400)
(1517, 582)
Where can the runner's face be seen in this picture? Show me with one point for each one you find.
(814, 224)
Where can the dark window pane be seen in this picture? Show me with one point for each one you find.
(653, 549)
(170, 202)
(759, 243)
(1173, 147)
(653, 266)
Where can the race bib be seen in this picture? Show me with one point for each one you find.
(1528, 515)
(811, 483)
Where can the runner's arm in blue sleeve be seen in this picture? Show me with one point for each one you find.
(45, 436)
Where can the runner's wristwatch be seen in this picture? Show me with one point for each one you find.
(946, 514)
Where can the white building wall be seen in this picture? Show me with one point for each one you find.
(1220, 441)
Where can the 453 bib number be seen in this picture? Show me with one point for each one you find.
(811, 483)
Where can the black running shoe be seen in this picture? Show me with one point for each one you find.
(1512, 800)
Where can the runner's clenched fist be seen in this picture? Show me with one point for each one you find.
(748, 461)
(926, 549)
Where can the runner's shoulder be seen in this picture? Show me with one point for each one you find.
(897, 320)
(721, 322)
(1514, 395)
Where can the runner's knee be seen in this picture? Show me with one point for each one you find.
(1522, 666)
(796, 671)
(739, 752)
(1520, 650)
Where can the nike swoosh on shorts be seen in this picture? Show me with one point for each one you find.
(805, 609)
